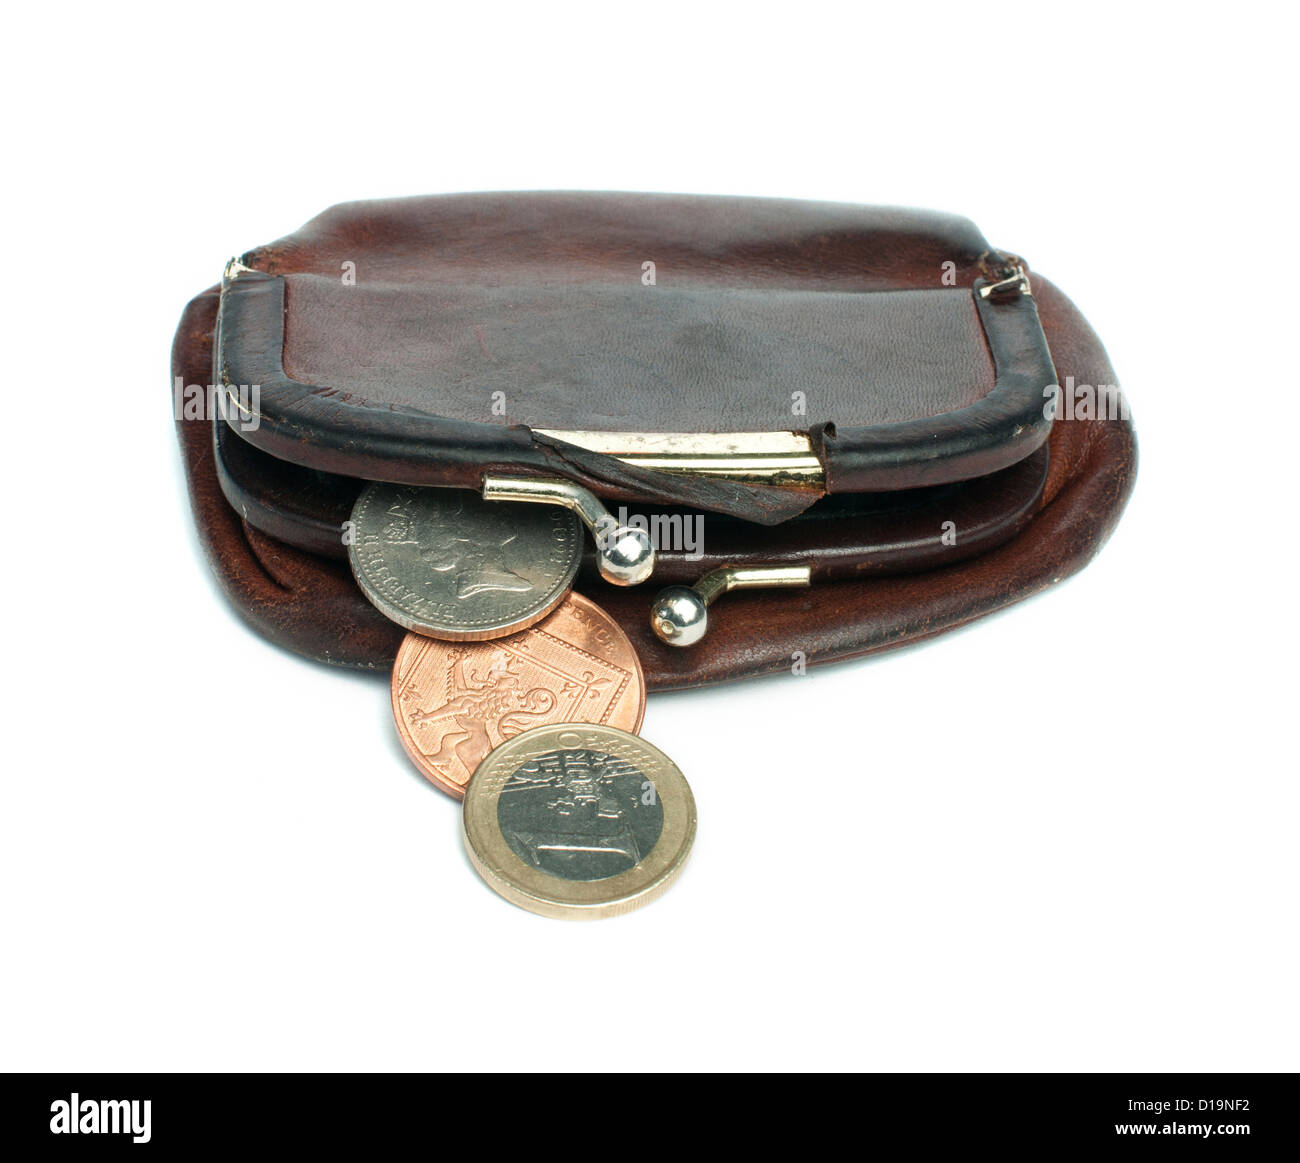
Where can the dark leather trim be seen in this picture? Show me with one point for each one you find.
(1000, 430)
(320, 428)
(323, 429)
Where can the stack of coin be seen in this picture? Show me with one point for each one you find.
(522, 697)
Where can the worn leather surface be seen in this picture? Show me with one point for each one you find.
(549, 238)
(311, 605)
(301, 601)
(383, 334)
(631, 358)
(339, 432)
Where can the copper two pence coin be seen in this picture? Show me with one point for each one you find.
(455, 701)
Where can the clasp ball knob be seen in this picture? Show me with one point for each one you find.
(625, 556)
(679, 616)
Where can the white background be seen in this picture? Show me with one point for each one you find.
(1064, 839)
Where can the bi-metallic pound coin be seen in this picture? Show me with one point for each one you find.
(580, 821)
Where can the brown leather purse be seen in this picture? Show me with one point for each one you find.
(875, 394)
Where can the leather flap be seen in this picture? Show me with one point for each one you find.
(428, 340)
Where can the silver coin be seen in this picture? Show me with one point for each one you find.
(447, 564)
(578, 820)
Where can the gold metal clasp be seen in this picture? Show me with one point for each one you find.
(680, 614)
(624, 556)
(761, 458)
(1017, 280)
(235, 268)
